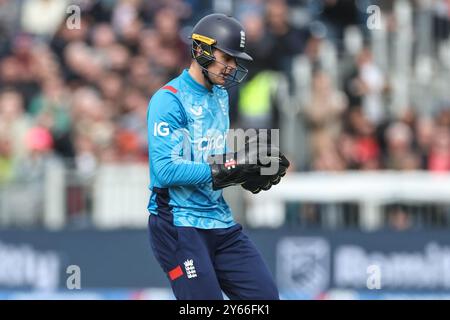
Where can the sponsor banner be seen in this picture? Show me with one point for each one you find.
(306, 265)
(376, 262)
(90, 294)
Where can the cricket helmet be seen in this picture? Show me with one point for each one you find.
(219, 31)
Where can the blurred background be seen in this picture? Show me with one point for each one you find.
(360, 91)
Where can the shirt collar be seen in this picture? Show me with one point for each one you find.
(192, 82)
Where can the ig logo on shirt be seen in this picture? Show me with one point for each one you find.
(161, 129)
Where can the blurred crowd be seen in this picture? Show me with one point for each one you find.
(75, 88)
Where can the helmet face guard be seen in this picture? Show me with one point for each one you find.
(202, 52)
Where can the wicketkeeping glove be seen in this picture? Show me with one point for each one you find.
(238, 167)
(265, 182)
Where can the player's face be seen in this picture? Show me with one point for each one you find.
(223, 66)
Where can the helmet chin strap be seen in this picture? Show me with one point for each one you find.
(205, 73)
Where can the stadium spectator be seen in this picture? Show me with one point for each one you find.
(439, 156)
(400, 156)
(325, 109)
(14, 122)
(366, 85)
(42, 17)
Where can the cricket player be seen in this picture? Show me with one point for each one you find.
(193, 235)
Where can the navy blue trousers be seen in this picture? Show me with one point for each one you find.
(200, 263)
